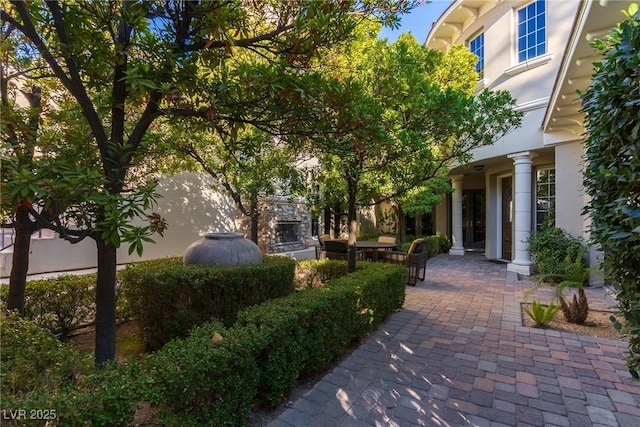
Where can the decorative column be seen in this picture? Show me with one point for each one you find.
(457, 247)
(521, 262)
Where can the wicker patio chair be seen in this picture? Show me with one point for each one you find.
(320, 250)
(338, 249)
(415, 259)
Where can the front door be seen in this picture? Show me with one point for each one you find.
(507, 217)
(473, 218)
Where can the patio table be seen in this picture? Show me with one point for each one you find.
(372, 247)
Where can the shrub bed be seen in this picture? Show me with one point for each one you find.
(63, 303)
(169, 298)
(312, 273)
(213, 376)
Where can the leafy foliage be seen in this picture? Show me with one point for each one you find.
(64, 303)
(611, 105)
(34, 360)
(314, 273)
(555, 253)
(128, 65)
(401, 119)
(542, 316)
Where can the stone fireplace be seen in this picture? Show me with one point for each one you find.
(285, 224)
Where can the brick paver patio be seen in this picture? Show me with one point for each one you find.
(458, 355)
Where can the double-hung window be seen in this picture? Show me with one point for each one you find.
(532, 31)
(476, 46)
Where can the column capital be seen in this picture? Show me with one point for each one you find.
(455, 178)
(522, 157)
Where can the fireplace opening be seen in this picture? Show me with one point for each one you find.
(287, 232)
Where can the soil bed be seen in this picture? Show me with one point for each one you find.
(598, 324)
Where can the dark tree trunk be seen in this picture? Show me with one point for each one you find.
(418, 225)
(402, 225)
(353, 226)
(337, 219)
(327, 221)
(105, 303)
(20, 260)
(255, 222)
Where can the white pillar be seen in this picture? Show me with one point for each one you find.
(521, 262)
(457, 247)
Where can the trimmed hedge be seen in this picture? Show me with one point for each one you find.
(214, 376)
(433, 245)
(63, 303)
(35, 360)
(169, 298)
(312, 273)
(306, 331)
(209, 378)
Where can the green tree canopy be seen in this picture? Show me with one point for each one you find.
(128, 63)
(410, 115)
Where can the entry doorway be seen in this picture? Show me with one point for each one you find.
(507, 217)
(474, 224)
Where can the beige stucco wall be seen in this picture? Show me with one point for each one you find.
(570, 196)
(190, 207)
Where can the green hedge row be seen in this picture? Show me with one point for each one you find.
(63, 303)
(312, 273)
(169, 298)
(433, 245)
(214, 376)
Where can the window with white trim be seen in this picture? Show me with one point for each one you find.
(476, 46)
(545, 195)
(532, 31)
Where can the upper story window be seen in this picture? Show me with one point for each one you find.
(532, 38)
(476, 46)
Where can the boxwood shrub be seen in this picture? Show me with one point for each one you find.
(311, 272)
(63, 303)
(209, 378)
(306, 331)
(213, 376)
(169, 298)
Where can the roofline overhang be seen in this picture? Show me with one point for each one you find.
(575, 39)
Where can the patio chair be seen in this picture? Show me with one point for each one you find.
(415, 259)
(385, 239)
(320, 250)
(338, 249)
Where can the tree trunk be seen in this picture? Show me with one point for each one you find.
(402, 224)
(337, 215)
(353, 226)
(255, 222)
(418, 225)
(20, 260)
(105, 303)
(327, 221)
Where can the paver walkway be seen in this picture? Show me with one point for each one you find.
(457, 355)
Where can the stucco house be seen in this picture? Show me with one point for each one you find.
(539, 50)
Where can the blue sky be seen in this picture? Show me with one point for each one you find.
(418, 21)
